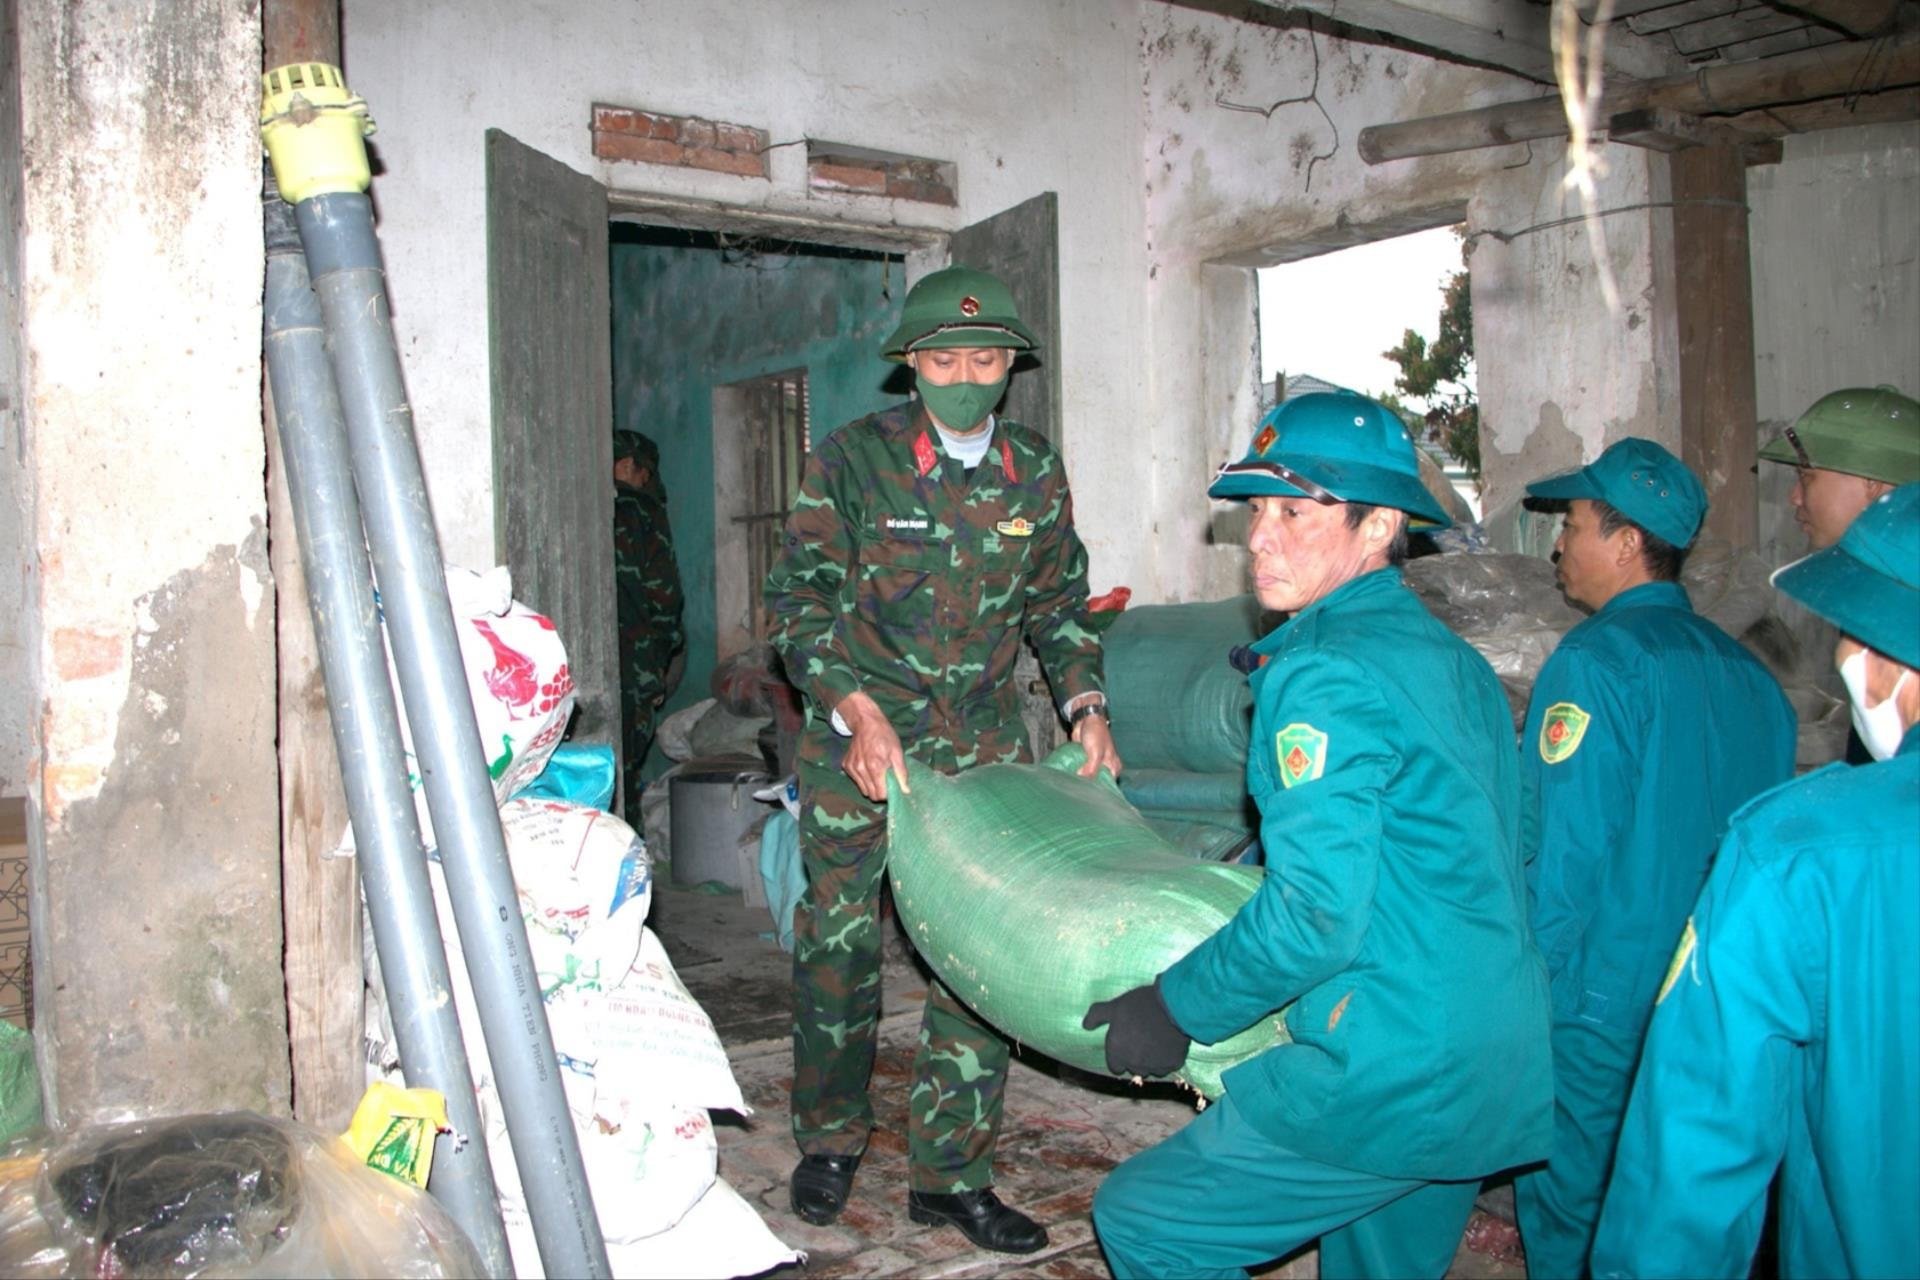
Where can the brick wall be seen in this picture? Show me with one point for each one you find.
(650, 137)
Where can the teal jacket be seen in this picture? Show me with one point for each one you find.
(1649, 727)
(1789, 1031)
(1393, 912)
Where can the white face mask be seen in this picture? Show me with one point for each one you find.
(1879, 727)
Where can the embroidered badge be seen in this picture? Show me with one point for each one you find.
(1302, 753)
(924, 455)
(1681, 954)
(1561, 730)
(969, 306)
(1018, 527)
(1006, 459)
(1265, 438)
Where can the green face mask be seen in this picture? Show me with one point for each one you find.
(960, 406)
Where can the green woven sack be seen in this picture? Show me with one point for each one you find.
(1177, 702)
(1033, 892)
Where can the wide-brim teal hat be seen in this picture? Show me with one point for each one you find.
(1334, 446)
(1868, 583)
(1640, 480)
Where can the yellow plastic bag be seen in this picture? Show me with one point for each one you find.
(393, 1130)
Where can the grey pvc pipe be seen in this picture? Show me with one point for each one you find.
(366, 733)
(343, 257)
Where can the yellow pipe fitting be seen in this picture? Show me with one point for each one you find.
(313, 127)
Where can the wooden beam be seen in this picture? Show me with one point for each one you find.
(1509, 34)
(1661, 129)
(1855, 17)
(1793, 78)
(1896, 106)
(1713, 303)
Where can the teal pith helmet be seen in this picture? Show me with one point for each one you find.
(958, 307)
(1643, 482)
(1864, 431)
(1868, 583)
(1333, 446)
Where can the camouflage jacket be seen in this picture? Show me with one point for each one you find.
(646, 580)
(910, 579)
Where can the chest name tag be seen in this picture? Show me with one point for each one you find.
(1561, 729)
(1018, 527)
(1301, 751)
(905, 524)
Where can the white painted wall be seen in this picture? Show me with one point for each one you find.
(1025, 95)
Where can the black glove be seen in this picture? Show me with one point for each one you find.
(1142, 1037)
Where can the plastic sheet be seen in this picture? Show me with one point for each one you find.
(233, 1194)
(1177, 702)
(578, 774)
(1504, 605)
(1033, 892)
(1729, 587)
(19, 1083)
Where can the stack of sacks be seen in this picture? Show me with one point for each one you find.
(639, 1059)
(1181, 716)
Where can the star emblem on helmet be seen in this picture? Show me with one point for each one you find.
(969, 306)
(1265, 438)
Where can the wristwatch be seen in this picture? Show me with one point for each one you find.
(1080, 713)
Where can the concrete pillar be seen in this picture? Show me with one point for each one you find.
(154, 826)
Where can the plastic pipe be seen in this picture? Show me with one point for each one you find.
(366, 732)
(343, 257)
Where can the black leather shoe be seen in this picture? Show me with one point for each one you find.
(986, 1221)
(819, 1186)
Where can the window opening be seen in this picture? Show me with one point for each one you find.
(777, 446)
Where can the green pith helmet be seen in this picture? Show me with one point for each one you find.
(632, 446)
(958, 307)
(1864, 431)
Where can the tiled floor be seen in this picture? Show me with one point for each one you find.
(1062, 1132)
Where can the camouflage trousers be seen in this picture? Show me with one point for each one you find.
(960, 1071)
(642, 690)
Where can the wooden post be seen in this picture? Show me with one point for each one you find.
(320, 896)
(1713, 303)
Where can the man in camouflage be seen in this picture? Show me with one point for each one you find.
(928, 542)
(647, 587)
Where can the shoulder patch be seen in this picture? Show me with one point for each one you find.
(1681, 954)
(1301, 751)
(1561, 729)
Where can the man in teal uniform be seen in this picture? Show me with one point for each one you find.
(1391, 923)
(928, 544)
(1788, 1032)
(1648, 727)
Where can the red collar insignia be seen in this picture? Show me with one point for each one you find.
(924, 455)
(1006, 459)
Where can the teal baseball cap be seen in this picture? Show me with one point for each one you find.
(1868, 583)
(1640, 480)
(1333, 446)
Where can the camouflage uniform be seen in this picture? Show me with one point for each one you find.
(647, 587)
(910, 579)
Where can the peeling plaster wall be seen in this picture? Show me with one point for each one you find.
(155, 860)
(1025, 95)
(16, 698)
(1234, 187)
(1561, 377)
